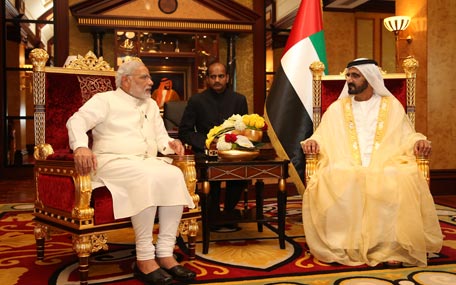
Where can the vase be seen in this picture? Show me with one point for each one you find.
(238, 155)
(253, 135)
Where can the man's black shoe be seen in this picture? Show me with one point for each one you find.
(180, 273)
(156, 277)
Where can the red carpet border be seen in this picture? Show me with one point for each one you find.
(244, 257)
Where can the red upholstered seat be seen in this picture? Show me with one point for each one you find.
(64, 199)
(330, 90)
(102, 205)
(65, 93)
(326, 89)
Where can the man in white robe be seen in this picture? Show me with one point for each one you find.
(367, 202)
(127, 133)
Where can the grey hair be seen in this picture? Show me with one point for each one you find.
(126, 68)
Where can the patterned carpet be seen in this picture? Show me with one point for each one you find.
(243, 257)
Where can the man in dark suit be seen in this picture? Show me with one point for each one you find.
(204, 111)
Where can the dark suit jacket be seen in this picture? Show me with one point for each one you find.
(206, 110)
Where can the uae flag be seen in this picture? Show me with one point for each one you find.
(288, 108)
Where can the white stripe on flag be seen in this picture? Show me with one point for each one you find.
(295, 64)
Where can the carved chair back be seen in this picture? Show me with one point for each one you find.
(64, 199)
(326, 89)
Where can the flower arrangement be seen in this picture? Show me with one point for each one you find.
(237, 132)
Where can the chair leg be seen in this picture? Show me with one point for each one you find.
(192, 233)
(40, 248)
(41, 232)
(188, 228)
(84, 270)
(191, 247)
(84, 246)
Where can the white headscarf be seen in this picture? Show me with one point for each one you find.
(371, 72)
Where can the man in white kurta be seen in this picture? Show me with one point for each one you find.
(367, 202)
(127, 133)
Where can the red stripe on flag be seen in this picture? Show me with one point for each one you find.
(308, 21)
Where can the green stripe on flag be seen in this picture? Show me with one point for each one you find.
(318, 41)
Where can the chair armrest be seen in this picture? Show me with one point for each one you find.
(311, 166)
(73, 190)
(423, 166)
(312, 160)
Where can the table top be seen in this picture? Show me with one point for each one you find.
(217, 169)
(204, 161)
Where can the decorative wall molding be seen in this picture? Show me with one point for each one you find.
(162, 25)
(236, 18)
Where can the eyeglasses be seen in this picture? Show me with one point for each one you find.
(141, 76)
(214, 76)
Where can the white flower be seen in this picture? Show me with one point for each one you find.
(222, 144)
(227, 124)
(239, 125)
(244, 142)
(235, 117)
(235, 126)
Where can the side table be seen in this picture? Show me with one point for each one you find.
(258, 169)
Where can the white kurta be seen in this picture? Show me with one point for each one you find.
(127, 134)
(367, 211)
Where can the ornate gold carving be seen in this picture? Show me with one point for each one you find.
(99, 241)
(40, 129)
(193, 228)
(83, 193)
(410, 66)
(157, 24)
(90, 85)
(423, 167)
(183, 227)
(85, 245)
(311, 166)
(89, 62)
(186, 164)
(42, 151)
(317, 68)
(41, 231)
(189, 227)
(39, 58)
(82, 245)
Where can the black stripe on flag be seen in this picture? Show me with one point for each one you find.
(289, 119)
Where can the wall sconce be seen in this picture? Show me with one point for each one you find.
(396, 24)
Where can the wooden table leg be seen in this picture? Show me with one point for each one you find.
(205, 216)
(259, 189)
(282, 210)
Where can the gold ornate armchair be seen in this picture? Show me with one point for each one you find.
(65, 200)
(326, 89)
